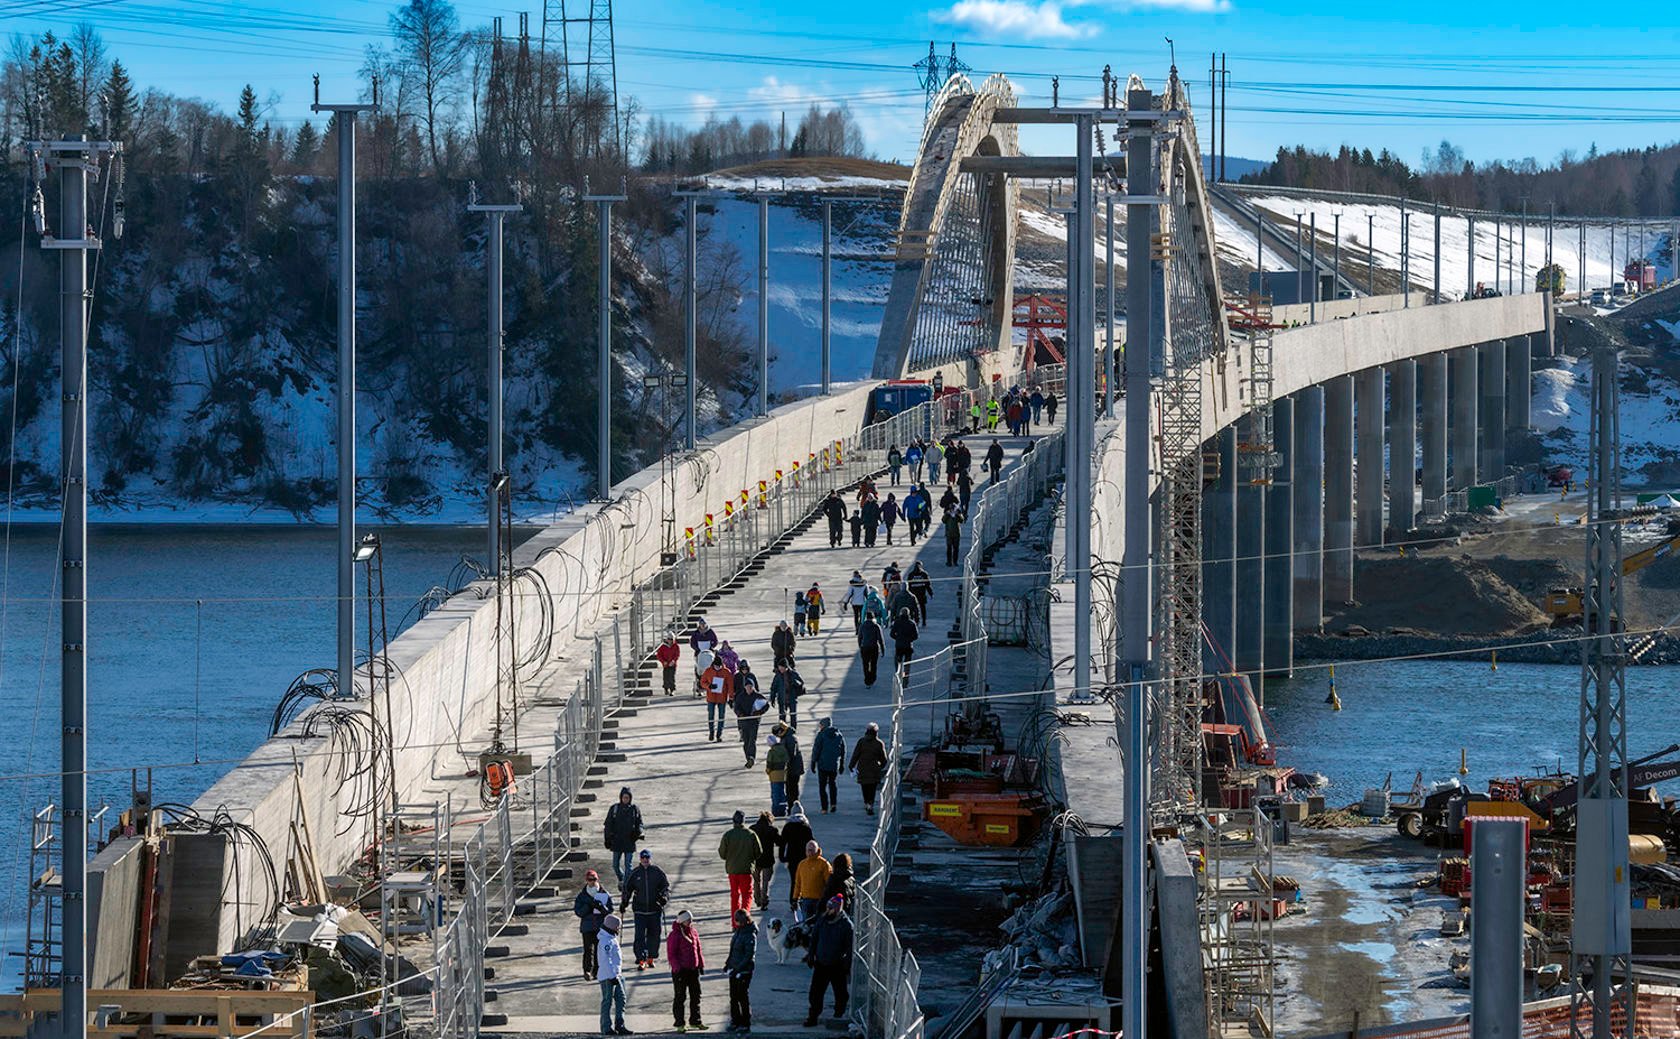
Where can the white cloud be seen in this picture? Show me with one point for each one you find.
(703, 104)
(793, 95)
(1020, 18)
(1192, 6)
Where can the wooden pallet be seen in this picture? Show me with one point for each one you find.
(167, 1013)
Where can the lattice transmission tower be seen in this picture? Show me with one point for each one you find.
(583, 53)
(933, 72)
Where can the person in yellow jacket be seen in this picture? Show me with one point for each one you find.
(810, 880)
(993, 410)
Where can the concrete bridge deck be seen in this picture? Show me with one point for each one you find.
(688, 790)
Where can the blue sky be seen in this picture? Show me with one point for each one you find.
(1501, 80)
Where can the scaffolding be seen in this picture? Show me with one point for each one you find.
(1257, 454)
(1238, 909)
(43, 947)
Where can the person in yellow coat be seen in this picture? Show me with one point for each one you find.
(810, 880)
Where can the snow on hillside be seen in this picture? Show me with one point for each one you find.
(861, 244)
(1650, 405)
(1455, 245)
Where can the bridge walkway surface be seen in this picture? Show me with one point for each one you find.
(689, 789)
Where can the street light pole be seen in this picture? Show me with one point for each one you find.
(603, 302)
(494, 217)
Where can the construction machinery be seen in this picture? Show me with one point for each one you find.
(1564, 604)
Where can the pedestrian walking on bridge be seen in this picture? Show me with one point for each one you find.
(764, 868)
(743, 954)
(668, 654)
(830, 959)
(871, 642)
(796, 833)
(869, 765)
(623, 827)
(809, 880)
(647, 891)
(953, 535)
(592, 905)
(834, 509)
(813, 608)
(687, 960)
(828, 757)
(994, 459)
(610, 977)
(776, 770)
(739, 850)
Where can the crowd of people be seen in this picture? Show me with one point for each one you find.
(820, 891)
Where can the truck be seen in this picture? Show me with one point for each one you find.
(1640, 275)
(1551, 278)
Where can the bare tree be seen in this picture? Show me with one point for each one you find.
(433, 49)
(91, 64)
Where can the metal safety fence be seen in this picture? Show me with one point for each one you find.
(526, 836)
(885, 974)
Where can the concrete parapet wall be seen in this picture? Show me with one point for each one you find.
(444, 699)
(1314, 354)
(1337, 309)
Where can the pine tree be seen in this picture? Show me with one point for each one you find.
(119, 103)
(307, 144)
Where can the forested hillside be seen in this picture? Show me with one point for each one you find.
(213, 351)
(1637, 182)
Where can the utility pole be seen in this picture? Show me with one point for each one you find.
(1300, 265)
(345, 116)
(1581, 258)
(1371, 251)
(1312, 299)
(1470, 281)
(1213, 116)
(1438, 252)
(1224, 113)
(1405, 254)
(1138, 669)
(74, 158)
(1108, 303)
(690, 319)
(1523, 272)
(603, 407)
(1601, 938)
(827, 288)
(763, 303)
(1336, 248)
(494, 217)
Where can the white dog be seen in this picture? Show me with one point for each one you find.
(777, 935)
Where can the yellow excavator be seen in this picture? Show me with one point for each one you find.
(1564, 604)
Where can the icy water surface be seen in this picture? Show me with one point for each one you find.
(1402, 716)
(171, 682)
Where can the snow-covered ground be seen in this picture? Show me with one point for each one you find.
(1649, 415)
(1384, 232)
(861, 245)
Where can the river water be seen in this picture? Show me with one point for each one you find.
(1403, 716)
(172, 680)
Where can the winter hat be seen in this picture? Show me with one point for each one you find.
(769, 741)
(685, 917)
(779, 728)
(646, 854)
(837, 901)
(740, 817)
(624, 791)
(591, 875)
(611, 923)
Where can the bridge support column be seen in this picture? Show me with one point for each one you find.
(1490, 463)
(1219, 552)
(1519, 391)
(1433, 397)
(1402, 448)
(1306, 456)
(1251, 572)
(1338, 490)
(1278, 647)
(1464, 400)
(1368, 388)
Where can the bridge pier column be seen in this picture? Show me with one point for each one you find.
(1251, 572)
(1402, 448)
(1490, 464)
(1368, 390)
(1338, 490)
(1433, 397)
(1219, 552)
(1464, 400)
(1519, 371)
(1306, 457)
(1279, 640)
